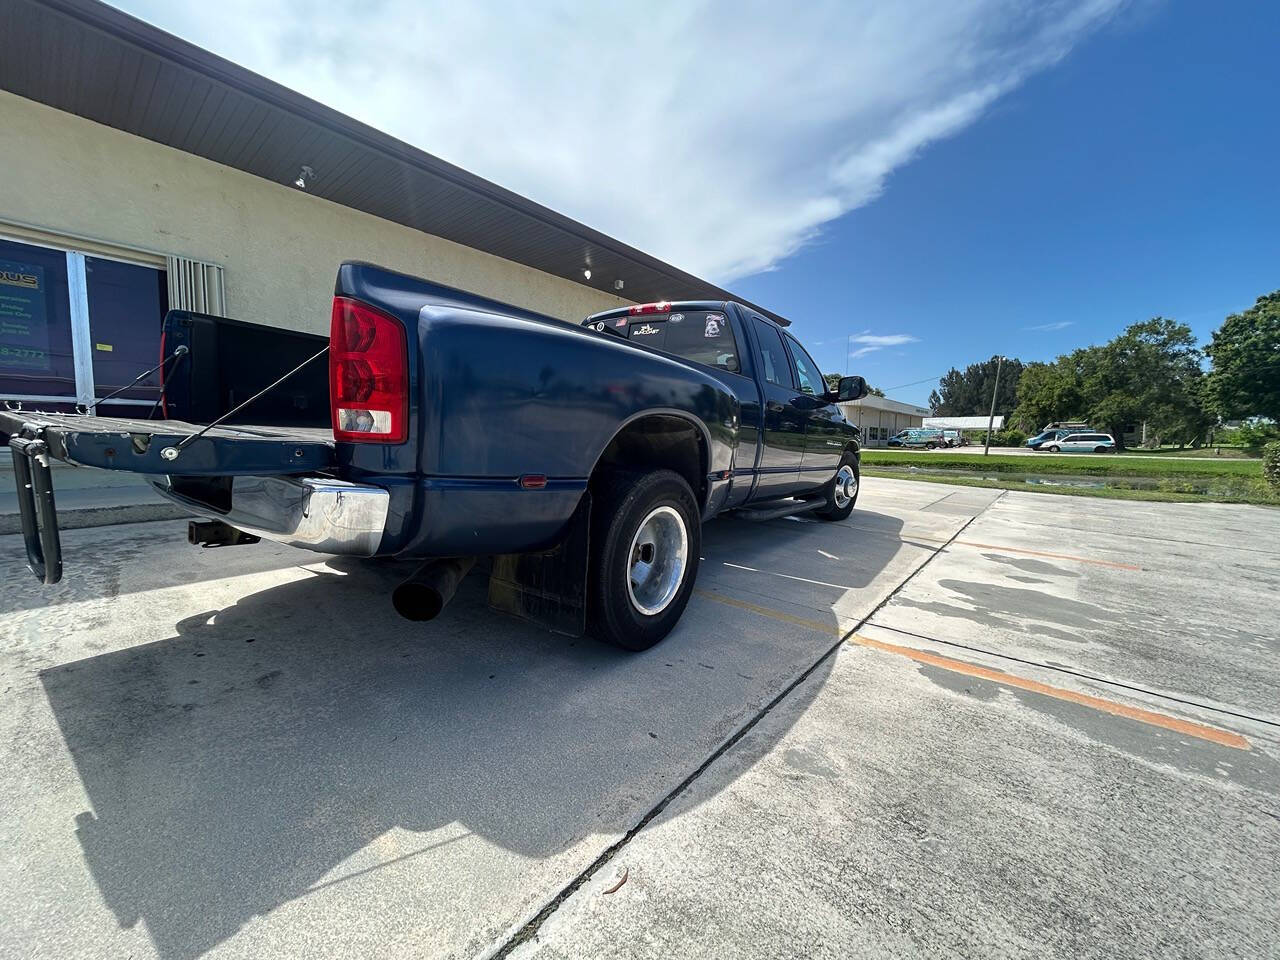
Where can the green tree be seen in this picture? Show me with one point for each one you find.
(1149, 373)
(968, 393)
(1245, 350)
(833, 384)
(1049, 392)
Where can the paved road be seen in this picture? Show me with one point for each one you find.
(1028, 452)
(243, 752)
(1037, 748)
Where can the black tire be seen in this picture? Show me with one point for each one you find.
(1055, 449)
(1099, 449)
(625, 501)
(839, 507)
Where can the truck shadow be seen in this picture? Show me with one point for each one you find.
(237, 765)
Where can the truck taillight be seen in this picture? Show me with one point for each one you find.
(368, 375)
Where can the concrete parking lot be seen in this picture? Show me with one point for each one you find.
(963, 723)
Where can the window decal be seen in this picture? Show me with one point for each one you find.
(24, 319)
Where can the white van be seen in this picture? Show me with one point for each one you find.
(1081, 443)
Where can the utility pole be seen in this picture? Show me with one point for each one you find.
(992, 415)
(848, 347)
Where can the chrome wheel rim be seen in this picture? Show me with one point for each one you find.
(657, 560)
(846, 486)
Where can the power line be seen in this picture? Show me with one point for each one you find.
(916, 383)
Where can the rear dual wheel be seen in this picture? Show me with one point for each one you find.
(646, 537)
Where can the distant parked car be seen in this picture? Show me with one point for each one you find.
(1081, 443)
(919, 438)
(1046, 436)
(954, 438)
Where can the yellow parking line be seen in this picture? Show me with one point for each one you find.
(1186, 727)
(828, 628)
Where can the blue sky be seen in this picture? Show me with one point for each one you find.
(939, 181)
(1139, 176)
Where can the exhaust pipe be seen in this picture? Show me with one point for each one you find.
(431, 586)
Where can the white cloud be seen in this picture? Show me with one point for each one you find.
(861, 352)
(1060, 325)
(889, 340)
(718, 136)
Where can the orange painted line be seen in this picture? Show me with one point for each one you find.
(1186, 727)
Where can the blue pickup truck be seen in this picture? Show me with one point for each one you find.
(577, 461)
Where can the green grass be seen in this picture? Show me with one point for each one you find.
(1206, 453)
(1245, 490)
(1065, 464)
(1117, 477)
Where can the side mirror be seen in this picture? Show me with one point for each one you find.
(851, 388)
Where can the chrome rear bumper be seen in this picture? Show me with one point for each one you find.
(316, 513)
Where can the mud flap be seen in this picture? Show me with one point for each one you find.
(549, 589)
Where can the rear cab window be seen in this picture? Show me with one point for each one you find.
(703, 336)
(773, 355)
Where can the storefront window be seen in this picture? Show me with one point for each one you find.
(127, 303)
(36, 357)
(75, 327)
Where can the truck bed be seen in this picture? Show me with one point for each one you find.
(126, 443)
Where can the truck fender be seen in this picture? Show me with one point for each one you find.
(701, 489)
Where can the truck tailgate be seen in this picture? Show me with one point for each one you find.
(141, 446)
(138, 446)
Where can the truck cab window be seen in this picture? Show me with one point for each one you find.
(773, 356)
(705, 336)
(811, 381)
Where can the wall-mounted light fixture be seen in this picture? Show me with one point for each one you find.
(305, 176)
(587, 273)
(618, 284)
